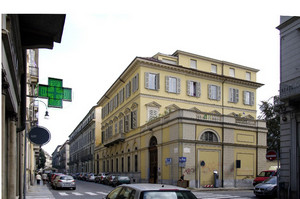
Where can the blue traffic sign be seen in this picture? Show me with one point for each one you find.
(182, 159)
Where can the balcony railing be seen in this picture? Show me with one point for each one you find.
(119, 137)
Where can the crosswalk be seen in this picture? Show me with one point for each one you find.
(74, 193)
(199, 195)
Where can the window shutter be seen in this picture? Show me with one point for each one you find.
(231, 95)
(198, 89)
(157, 86)
(236, 95)
(178, 86)
(167, 83)
(188, 86)
(245, 95)
(137, 82)
(218, 93)
(251, 98)
(146, 80)
(209, 91)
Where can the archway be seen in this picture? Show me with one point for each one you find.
(153, 160)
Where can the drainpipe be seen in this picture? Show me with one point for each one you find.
(23, 104)
(223, 125)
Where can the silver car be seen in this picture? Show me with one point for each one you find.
(64, 181)
(150, 191)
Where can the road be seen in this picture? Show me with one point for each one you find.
(90, 190)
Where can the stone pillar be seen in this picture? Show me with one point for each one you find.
(12, 159)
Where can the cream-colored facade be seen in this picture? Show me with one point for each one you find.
(182, 105)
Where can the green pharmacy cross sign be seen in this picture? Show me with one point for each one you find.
(55, 92)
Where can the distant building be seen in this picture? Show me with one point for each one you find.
(64, 154)
(82, 142)
(56, 158)
(169, 115)
(289, 181)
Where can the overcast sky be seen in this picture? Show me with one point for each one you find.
(101, 39)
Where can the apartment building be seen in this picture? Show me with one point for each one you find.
(169, 115)
(82, 142)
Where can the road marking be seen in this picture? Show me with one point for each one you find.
(63, 193)
(102, 193)
(77, 194)
(91, 193)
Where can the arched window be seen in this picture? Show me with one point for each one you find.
(209, 136)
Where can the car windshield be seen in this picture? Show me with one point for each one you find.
(272, 180)
(265, 174)
(123, 178)
(66, 178)
(168, 194)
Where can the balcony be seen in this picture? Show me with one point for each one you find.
(115, 139)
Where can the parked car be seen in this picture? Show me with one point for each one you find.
(118, 180)
(64, 181)
(108, 179)
(53, 176)
(100, 177)
(267, 188)
(264, 175)
(157, 191)
(91, 177)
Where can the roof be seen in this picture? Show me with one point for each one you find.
(152, 187)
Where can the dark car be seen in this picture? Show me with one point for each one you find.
(267, 188)
(157, 191)
(109, 179)
(118, 180)
(264, 175)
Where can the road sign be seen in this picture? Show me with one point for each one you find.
(182, 159)
(39, 135)
(271, 155)
(55, 92)
(168, 161)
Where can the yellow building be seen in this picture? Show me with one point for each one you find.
(169, 115)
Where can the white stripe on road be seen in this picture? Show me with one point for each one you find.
(91, 193)
(63, 193)
(102, 193)
(77, 194)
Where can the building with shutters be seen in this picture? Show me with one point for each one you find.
(169, 115)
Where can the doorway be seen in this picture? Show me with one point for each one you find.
(153, 160)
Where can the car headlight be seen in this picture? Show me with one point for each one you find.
(270, 188)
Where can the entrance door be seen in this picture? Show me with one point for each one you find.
(210, 161)
(153, 160)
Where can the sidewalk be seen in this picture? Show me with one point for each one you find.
(39, 191)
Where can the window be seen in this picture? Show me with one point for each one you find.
(134, 119)
(117, 165)
(116, 102)
(193, 63)
(209, 137)
(135, 83)
(152, 113)
(172, 84)
(121, 96)
(231, 72)
(110, 128)
(214, 68)
(248, 76)
(128, 90)
(126, 124)
(248, 98)
(128, 163)
(135, 163)
(193, 88)
(122, 164)
(233, 95)
(214, 92)
(112, 165)
(121, 126)
(116, 128)
(152, 81)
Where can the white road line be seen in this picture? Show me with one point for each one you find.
(91, 193)
(63, 193)
(77, 194)
(102, 193)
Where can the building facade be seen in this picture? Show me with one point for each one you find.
(289, 180)
(64, 154)
(169, 115)
(19, 33)
(82, 142)
(56, 158)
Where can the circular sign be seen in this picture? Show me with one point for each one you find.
(39, 135)
(271, 155)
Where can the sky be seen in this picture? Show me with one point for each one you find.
(101, 38)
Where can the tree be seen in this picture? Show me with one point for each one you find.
(41, 159)
(272, 119)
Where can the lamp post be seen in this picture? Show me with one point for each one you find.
(25, 144)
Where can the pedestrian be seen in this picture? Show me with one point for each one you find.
(45, 178)
(38, 178)
(181, 177)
